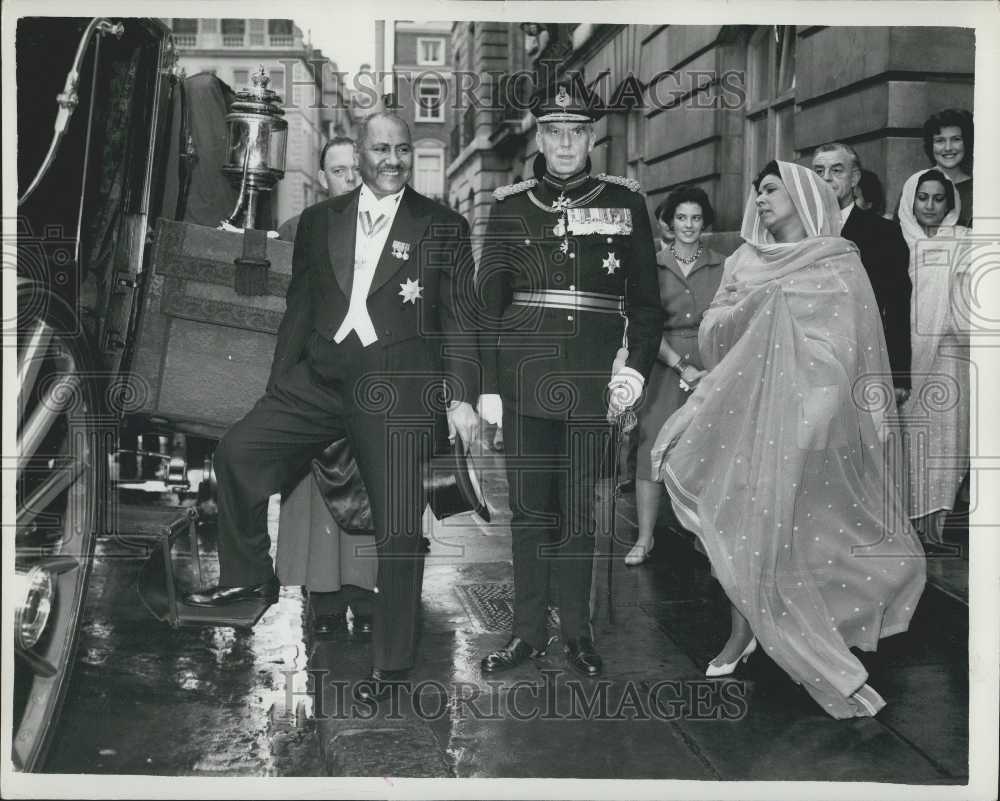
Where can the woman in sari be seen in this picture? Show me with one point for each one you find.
(779, 460)
(936, 417)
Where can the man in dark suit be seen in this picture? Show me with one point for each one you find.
(338, 175)
(883, 252)
(369, 348)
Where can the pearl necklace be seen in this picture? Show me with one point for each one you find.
(683, 260)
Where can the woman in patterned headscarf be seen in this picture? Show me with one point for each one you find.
(779, 460)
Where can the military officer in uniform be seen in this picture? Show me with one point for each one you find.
(567, 276)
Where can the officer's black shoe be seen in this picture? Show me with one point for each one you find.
(378, 686)
(514, 653)
(326, 625)
(582, 657)
(223, 596)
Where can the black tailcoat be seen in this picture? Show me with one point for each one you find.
(383, 398)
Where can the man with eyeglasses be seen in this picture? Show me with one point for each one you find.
(370, 347)
(338, 175)
(883, 252)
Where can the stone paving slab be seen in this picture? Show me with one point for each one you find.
(406, 751)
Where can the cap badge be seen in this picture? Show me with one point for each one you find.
(562, 97)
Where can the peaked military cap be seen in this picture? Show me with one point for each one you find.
(567, 101)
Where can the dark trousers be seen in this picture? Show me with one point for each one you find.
(552, 466)
(360, 600)
(337, 390)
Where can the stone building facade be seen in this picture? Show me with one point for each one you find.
(718, 102)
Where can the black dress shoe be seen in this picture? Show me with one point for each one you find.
(380, 683)
(583, 658)
(222, 596)
(514, 653)
(325, 625)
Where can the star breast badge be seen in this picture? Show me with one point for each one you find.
(411, 291)
(611, 263)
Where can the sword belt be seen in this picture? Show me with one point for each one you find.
(570, 299)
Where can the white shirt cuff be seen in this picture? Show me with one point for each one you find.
(490, 408)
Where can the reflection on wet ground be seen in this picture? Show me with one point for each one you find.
(146, 698)
(150, 699)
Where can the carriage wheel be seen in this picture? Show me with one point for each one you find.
(61, 481)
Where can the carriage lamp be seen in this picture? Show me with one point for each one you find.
(35, 598)
(256, 141)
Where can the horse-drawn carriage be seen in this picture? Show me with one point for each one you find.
(127, 317)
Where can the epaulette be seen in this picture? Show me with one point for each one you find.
(502, 192)
(629, 183)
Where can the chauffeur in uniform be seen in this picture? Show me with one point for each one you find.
(567, 274)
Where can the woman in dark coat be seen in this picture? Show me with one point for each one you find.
(689, 276)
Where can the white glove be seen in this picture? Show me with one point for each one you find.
(626, 387)
(490, 408)
(621, 356)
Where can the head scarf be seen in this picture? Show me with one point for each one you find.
(813, 199)
(912, 230)
(763, 259)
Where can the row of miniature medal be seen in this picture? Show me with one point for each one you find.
(574, 218)
(578, 220)
(411, 291)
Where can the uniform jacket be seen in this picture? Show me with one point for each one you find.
(886, 259)
(425, 336)
(556, 362)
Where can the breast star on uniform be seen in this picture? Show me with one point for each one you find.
(611, 263)
(411, 291)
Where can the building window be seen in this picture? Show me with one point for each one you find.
(429, 100)
(277, 83)
(232, 32)
(769, 131)
(241, 79)
(281, 32)
(185, 32)
(430, 52)
(428, 171)
(257, 32)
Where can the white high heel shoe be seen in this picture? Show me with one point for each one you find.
(729, 667)
(638, 554)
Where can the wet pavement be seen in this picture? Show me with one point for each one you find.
(146, 698)
(273, 701)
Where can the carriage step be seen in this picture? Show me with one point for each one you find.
(160, 595)
(155, 529)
